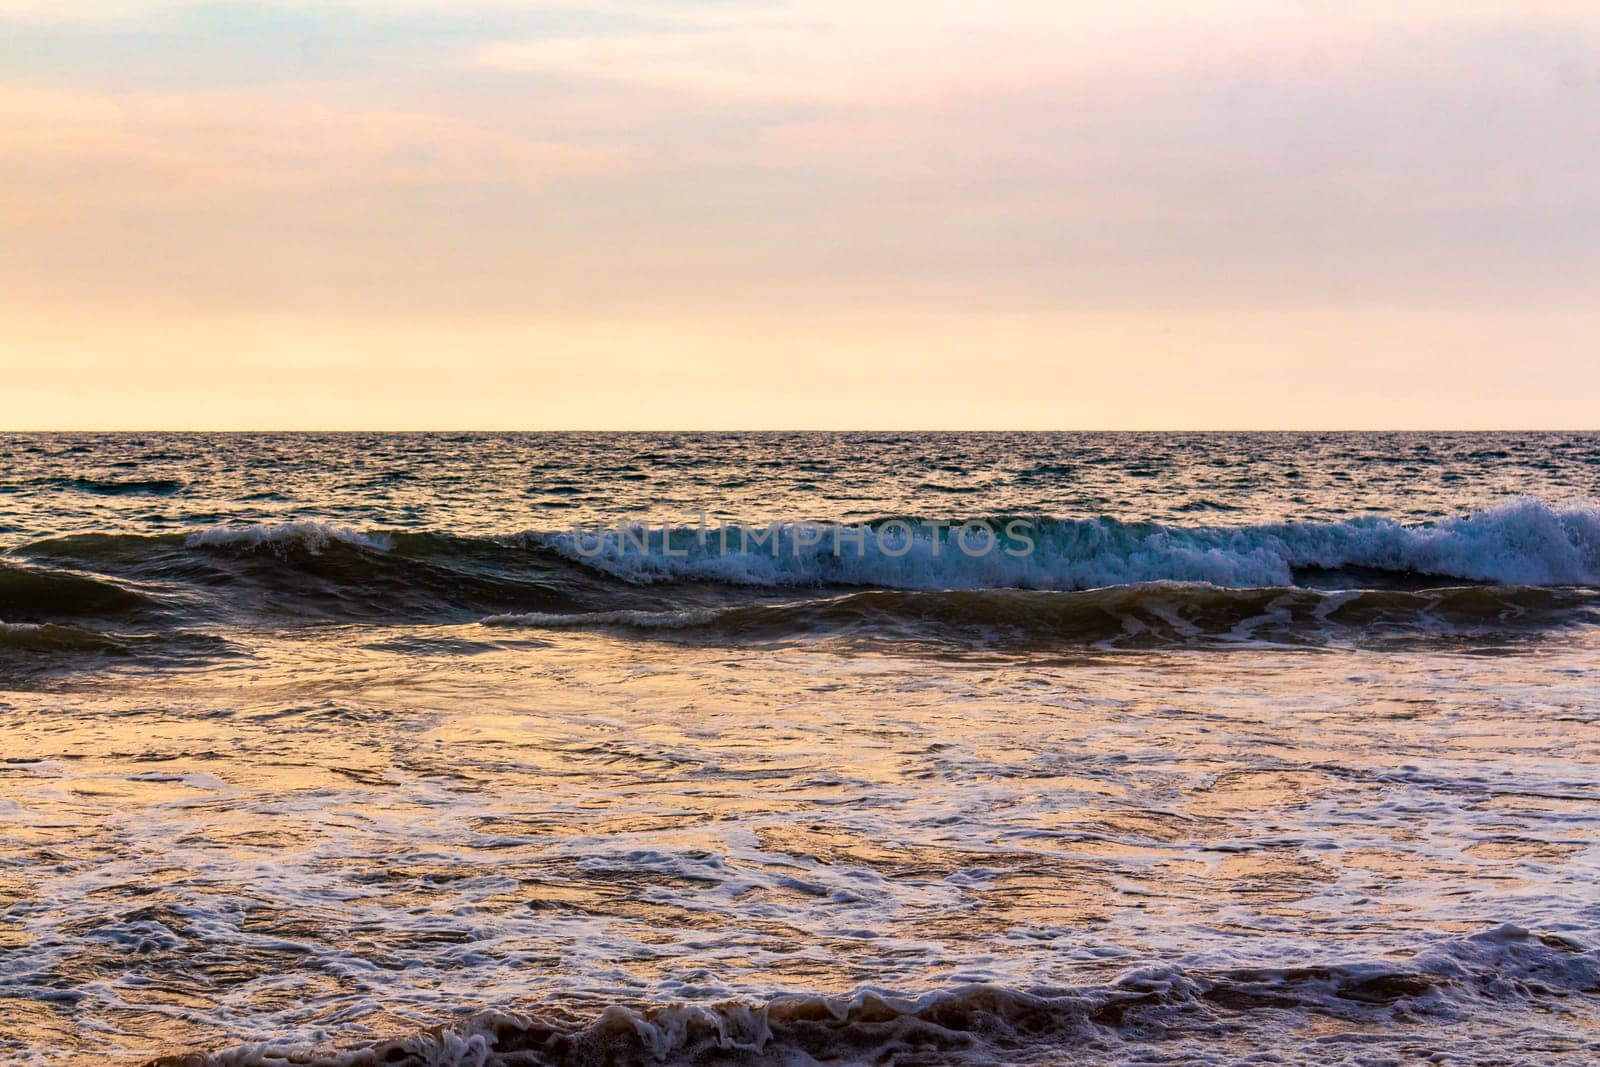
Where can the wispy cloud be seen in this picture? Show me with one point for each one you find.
(801, 161)
(268, 141)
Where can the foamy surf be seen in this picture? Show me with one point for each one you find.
(336, 753)
(313, 536)
(1477, 987)
(1523, 542)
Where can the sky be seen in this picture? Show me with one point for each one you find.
(723, 214)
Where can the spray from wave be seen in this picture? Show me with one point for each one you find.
(311, 536)
(1523, 542)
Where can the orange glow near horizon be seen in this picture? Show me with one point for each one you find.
(618, 214)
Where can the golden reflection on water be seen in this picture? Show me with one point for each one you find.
(333, 836)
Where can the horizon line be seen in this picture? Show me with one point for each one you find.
(802, 430)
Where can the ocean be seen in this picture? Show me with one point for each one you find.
(891, 748)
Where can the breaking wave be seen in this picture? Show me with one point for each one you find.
(1523, 542)
(311, 536)
(1518, 567)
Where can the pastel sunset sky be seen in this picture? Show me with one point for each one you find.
(799, 213)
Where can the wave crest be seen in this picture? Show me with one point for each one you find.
(312, 536)
(1149, 582)
(1523, 542)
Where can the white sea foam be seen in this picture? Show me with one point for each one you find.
(671, 828)
(1522, 542)
(986, 1022)
(313, 536)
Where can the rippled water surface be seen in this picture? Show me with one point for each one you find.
(343, 749)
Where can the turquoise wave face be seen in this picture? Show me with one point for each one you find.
(1521, 542)
(1514, 569)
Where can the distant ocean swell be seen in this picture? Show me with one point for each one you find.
(1519, 566)
(1460, 985)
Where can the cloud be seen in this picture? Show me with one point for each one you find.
(553, 182)
(106, 149)
(849, 54)
(824, 52)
